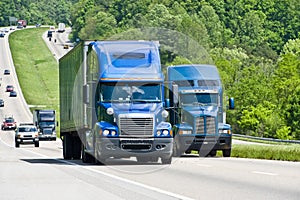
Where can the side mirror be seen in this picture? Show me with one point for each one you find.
(86, 94)
(231, 103)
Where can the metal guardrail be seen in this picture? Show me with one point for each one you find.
(267, 139)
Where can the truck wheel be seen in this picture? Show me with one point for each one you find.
(17, 144)
(226, 152)
(87, 158)
(166, 161)
(36, 144)
(213, 153)
(77, 148)
(67, 147)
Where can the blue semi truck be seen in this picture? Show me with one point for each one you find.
(112, 102)
(197, 110)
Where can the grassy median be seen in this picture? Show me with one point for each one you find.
(36, 68)
(37, 72)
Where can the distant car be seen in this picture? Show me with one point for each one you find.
(6, 72)
(13, 94)
(66, 46)
(26, 134)
(12, 28)
(8, 123)
(6, 30)
(9, 88)
(1, 103)
(2, 34)
(49, 34)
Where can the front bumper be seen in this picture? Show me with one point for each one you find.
(192, 142)
(27, 140)
(47, 136)
(134, 147)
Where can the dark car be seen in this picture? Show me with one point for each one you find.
(9, 123)
(13, 94)
(2, 34)
(9, 88)
(1, 103)
(7, 72)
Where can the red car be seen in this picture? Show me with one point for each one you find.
(9, 123)
(9, 88)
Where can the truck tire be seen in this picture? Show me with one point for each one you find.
(17, 144)
(77, 148)
(71, 147)
(226, 152)
(213, 153)
(87, 158)
(37, 144)
(67, 148)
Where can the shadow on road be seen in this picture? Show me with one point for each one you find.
(108, 162)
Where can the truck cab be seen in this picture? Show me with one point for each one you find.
(120, 113)
(197, 111)
(45, 121)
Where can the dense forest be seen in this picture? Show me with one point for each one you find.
(254, 43)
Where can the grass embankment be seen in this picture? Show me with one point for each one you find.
(287, 152)
(38, 75)
(36, 68)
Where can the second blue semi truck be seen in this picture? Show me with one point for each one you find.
(112, 102)
(197, 110)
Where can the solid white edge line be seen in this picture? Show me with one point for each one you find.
(264, 173)
(112, 176)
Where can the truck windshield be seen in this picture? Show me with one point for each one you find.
(204, 99)
(130, 92)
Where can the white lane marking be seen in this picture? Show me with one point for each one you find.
(264, 173)
(6, 144)
(203, 165)
(178, 196)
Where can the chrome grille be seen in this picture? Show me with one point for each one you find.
(210, 125)
(200, 125)
(142, 126)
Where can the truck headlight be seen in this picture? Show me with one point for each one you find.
(158, 132)
(110, 111)
(105, 132)
(113, 133)
(164, 114)
(165, 132)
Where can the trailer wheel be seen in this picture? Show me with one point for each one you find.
(226, 152)
(67, 147)
(76, 148)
